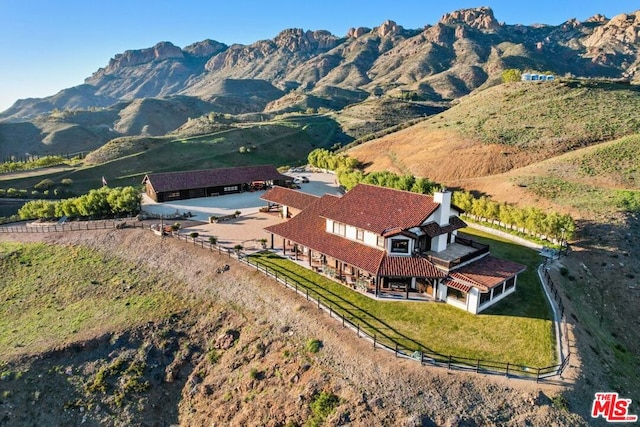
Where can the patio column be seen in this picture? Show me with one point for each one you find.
(406, 290)
(284, 246)
(272, 245)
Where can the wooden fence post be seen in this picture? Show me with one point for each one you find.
(396, 351)
(374, 341)
(507, 373)
(358, 330)
(449, 363)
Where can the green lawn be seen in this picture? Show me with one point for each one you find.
(518, 330)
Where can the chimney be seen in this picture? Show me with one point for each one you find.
(443, 197)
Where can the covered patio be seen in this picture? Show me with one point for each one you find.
(389, 282)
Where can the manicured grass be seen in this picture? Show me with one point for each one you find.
(518, 330)
(55, 294)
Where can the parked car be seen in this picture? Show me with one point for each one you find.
(304, 179)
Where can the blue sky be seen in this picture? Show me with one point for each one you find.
(49, 45)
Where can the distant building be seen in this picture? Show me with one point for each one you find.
(167, 186)
(532, 77)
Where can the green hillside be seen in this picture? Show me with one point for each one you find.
(125, 161)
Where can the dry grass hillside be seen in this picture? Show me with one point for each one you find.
(507, 127)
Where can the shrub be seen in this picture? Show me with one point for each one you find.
(44, 184)
(314, 345)
(254, 374)
(66, 181)
(194, 235)
(321, 407)
(213, 356)
(213, 240)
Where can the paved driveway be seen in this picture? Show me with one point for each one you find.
(247, 203)
(248, 228)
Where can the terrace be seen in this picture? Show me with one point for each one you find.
(458, 253)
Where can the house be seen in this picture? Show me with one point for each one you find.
(167, 186)
(395, 244)
(290, 202)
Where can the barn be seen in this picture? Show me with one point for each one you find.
(168, 186)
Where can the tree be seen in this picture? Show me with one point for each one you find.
(194, 235)
(213, 240)
(511, 75)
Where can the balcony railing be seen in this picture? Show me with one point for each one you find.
(481, 249)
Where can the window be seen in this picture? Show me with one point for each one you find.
(456, 294)
(510, 284)
(231, 188)
(360, 234)
(400, 246)
(497, 290)
(380, 241)
(339, 228)
(173, 195)
(485, 297)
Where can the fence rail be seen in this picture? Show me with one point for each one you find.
(378, 338)
(383, 341)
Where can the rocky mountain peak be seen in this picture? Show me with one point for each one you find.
(205, 48)
(597, 18)
(296, 39)
(389, 28)
(132, 58)
(480, 18)
(358, 32)
(616, 35)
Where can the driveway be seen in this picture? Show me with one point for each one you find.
(248, 228)
(247, 203)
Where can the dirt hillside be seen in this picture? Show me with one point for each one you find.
(244, 361)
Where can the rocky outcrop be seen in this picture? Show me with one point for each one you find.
(389, 28)
(622, 31)
(205, 49)
(480, 18)
(298, 40)
(357, 32)
(131, 58)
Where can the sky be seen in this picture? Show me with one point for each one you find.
(50, 45)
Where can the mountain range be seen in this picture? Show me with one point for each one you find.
(156, 90)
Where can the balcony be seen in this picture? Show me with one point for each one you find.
(457, 253)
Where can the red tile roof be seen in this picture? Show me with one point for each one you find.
(308, 229)
(453, 283)
(184, 180)
(487, 272)
(289, 197)
(377, 209)
(409, 266)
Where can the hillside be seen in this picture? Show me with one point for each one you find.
(506, 127)
(224, 353)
